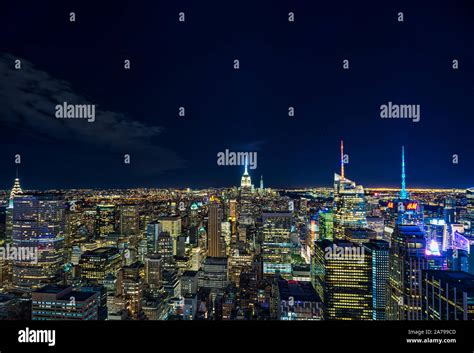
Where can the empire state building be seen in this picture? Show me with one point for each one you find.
(246, 182)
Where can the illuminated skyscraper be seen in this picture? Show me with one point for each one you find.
(153, 271)
(165, 249)
(172, 225)
(406, 261)
(326, 225)
(214, 274)
(97, 264)
(153, 230)
(38, 225)
(403, 210)
(245, 199)
(377, 254)
(448, 295)
(449, 210)
(277, 246)
(129, 220)
(342, 277)
(349, 203)
(16, 190)
(105, 221)
(239, 262)
(131, 288)
(246, 181)
(233, 210)
(215, 243)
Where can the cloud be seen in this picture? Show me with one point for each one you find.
(27, 106)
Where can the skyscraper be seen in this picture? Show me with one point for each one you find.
(215, 243)
(153, 272)
(448, 295)
(276, 247)
(131, 288)
(377, 253)
(341, 276)
(406, 261)
(97, 264)
(38, 225)
(16, 190)
(171, 225)
(129, 220)
(246, 182)
(349, 203)
(105, 221)
(165, 249)
(153, 230)
(404, 210)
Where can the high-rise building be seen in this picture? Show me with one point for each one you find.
(54, 302)
(189, 283)
(233, 210)
(449, 210)
(349, 203)
(97, 264)
(16, 190)
(404, 210)
(38, 227)
(342, 277)
(129, 220)
(406, 261)
(131, 285)
(239, 261)
(172, 225)
(215, 243)
(325, 225)
(246, 181)
(105, 220)
(245, 199)
(153, 272)
(165, 249)
(153, 231)
(447, 295)
(277, 246)
(213, 275)
(377, 253)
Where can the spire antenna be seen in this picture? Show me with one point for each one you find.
(342, 160)
(403, 191)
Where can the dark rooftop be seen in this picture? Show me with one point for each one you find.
(300, 291)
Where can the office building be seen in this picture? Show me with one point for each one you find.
(447, 295)
(54, 302)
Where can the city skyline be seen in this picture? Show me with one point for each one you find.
(184, 171)
(343, 166)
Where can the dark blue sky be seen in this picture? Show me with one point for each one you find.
(191, 64)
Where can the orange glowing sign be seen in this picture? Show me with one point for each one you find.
(409, 206)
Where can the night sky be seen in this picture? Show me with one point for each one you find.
(190, 64)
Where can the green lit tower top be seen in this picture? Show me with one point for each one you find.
(403, 191)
